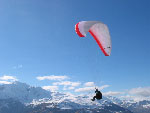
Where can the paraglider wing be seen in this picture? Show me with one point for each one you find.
(99, 31)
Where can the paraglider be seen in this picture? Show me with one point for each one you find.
(98, 95)
(99, 31)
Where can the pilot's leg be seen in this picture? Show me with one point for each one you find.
(93, 98)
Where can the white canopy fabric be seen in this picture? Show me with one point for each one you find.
(99, 31)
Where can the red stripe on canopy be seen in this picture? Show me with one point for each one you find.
(78, 31)
(99, 43)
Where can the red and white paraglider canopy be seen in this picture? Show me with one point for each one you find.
(99, 31)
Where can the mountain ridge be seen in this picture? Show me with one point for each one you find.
(32, 99)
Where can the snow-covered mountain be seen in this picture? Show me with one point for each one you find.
(29, 99)
(112, 104)
(22, 92)
(134, 106)
(71, 102)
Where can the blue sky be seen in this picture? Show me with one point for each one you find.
(37, 38)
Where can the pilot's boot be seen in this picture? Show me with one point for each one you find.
(93, 99)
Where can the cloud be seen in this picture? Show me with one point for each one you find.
(52, 77)
(68, 88)
(134, 98)
(85, 89)
(5, 82)
(71, 88)
(67, 83)
(65, 88)
(87, 84)
(104, 86)
(137, 94)
(50, 88)
(110, 93)
(6, 77)
(144, 92)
